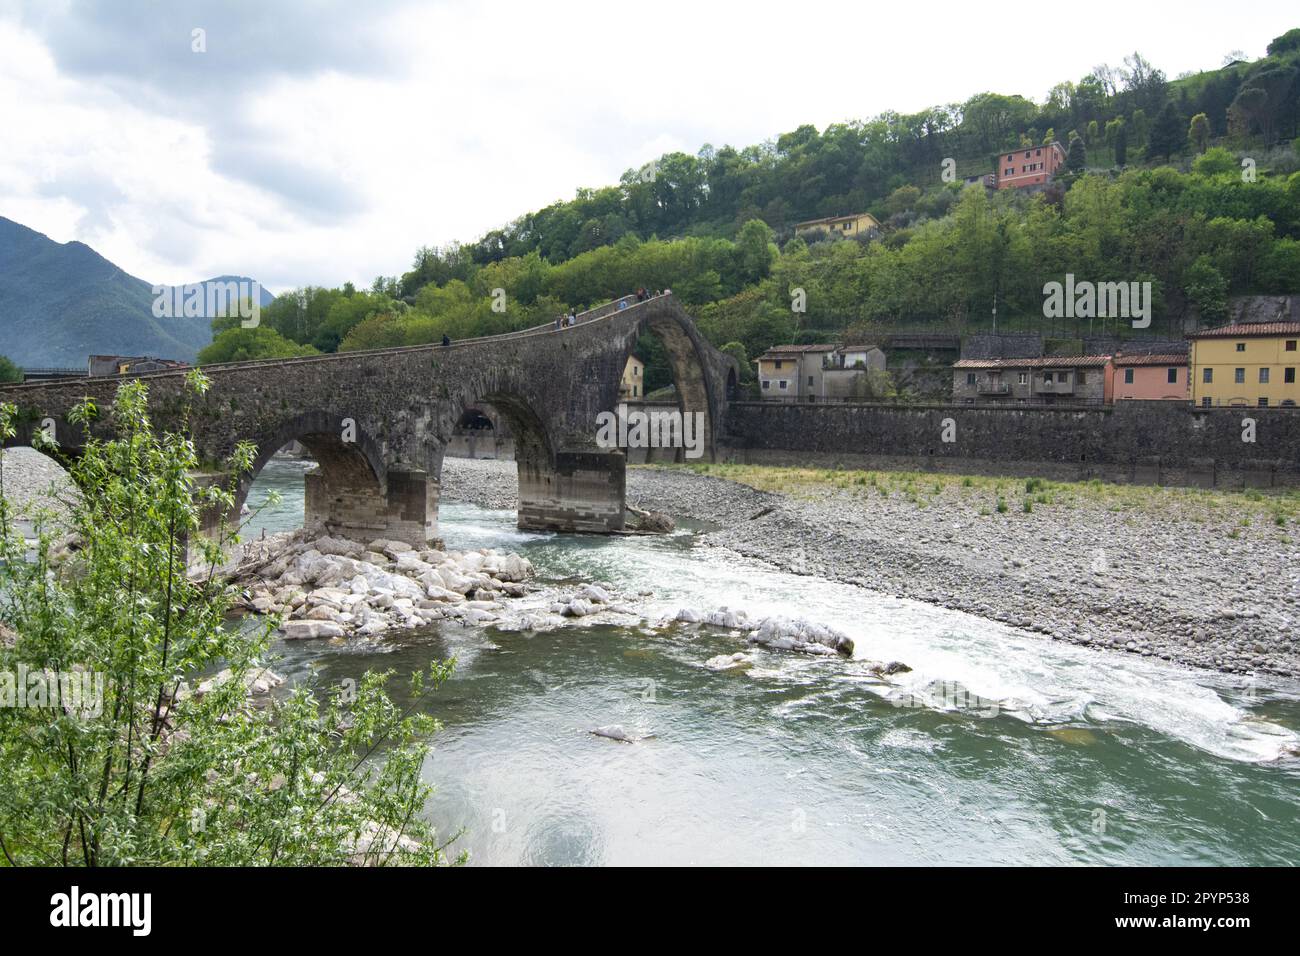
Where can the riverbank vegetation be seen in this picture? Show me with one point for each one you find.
(1156, 191)
(140, 729)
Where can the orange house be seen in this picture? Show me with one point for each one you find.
(1029, 166)
(1151, 378)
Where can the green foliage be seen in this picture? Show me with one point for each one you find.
(1121, 146)
(1077, 158)
(1198, 132)
(1207, 290)
(243, 345)
(144, 768)
(9, 372)
(737, 351)
(1168, 134)
(1216, 161)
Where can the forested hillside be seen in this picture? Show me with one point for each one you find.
(1155, 190)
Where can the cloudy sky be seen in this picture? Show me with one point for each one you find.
(321, 141)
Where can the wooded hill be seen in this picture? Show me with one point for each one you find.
(1155, 192)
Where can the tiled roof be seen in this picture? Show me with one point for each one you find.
(790, 349)
(1047, 361)
(1163, 359)
(1247, 329)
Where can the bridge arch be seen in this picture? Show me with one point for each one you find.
(688, 362)
(351, 492)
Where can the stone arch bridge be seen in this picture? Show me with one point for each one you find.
(378, 422)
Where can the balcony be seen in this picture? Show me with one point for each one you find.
(1053, 388)
(994, 388)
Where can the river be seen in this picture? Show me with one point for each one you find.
(999, 747)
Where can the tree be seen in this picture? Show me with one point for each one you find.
(245, 345)
(126, 763)
(754, 252)
(9, 372)
(1121, 146)
(1167, 133)
(1207, 290)
(1285, 43)
(1198, 132)
(1216, 161)
(1077, 158)
(1140, 126)
(737, 351)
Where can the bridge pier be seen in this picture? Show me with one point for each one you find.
(405, 510)
(583, 491)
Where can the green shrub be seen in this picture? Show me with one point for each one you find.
(146, 771)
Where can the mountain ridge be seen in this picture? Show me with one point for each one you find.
(61, 302)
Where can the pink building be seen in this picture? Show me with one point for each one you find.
(1151, 377)
(1029, 166)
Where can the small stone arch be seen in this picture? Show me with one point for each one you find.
(534, 452)
(352, 493)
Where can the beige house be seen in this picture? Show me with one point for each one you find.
(852, 226)
(632, 385)
(792, 373)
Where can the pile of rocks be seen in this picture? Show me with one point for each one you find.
(779, 633)
(333, 587)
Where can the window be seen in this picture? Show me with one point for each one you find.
(1047, 378)
(1010, 171)
(783, 384)
(810, 381)
(1288, 376)
(1239, 376)
(1290, 345)
(1263, 376)
(1206, 403)
(1241, 346)
(1128, 376)
(1023, 378)
(1038, 152)
(1207, 375)
(1263, 402)
(766, 384)
(778, 364)
(1172, 378)
(970, 378)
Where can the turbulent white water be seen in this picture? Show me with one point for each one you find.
(998, 746)
(954, 656)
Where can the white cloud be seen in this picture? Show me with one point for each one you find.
(310, 147)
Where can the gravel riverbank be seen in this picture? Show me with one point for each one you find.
(34, 482)
(1199, 578)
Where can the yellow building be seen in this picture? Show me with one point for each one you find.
(632, 385)
(1246, 364)
(858, 224)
